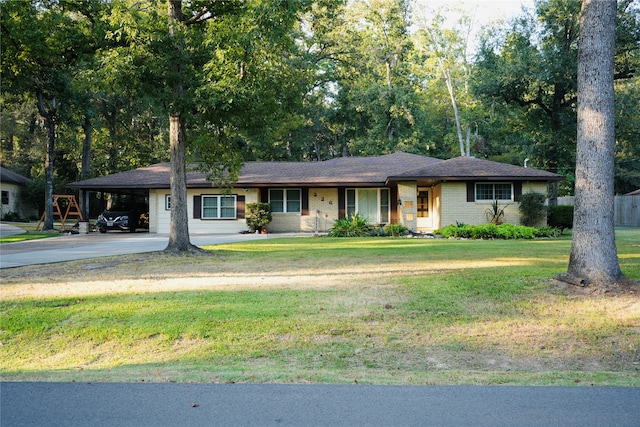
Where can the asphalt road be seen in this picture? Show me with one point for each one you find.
(117, 404)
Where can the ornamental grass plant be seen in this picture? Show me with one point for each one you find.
(352, 226)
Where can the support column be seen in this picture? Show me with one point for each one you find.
(408, 209)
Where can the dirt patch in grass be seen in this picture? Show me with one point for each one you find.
(158, 272)
(624, 286)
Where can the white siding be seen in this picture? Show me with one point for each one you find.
(15, 204)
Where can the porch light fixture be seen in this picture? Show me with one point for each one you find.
(399, 202)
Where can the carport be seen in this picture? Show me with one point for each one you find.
(100, 196)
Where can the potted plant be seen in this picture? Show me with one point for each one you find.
(258, 215)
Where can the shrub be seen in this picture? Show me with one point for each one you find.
(11, 216)
(455, 231)
(548, 232)
(377, 231)
(258, 215)
(560, 216)
(488, 231)
(354, 226)
(532, 209)
(395, 230)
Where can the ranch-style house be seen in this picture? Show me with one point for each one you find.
(422, 193)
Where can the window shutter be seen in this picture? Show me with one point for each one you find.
(240, 203)
(264, 195)
(305, 201)
(471, 191)
(197, 207)
(393, 196)
(517, 191)
(342, 211)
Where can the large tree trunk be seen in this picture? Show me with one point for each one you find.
(179, 224)
(49, 119)
(594, 258)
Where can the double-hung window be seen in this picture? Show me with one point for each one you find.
(218, 207)
(371, 203)
(285, 200)
(497, 191)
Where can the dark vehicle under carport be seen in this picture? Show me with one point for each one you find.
(118, 219)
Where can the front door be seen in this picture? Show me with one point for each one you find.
(425, 222)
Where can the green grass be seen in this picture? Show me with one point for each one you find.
(323, 310)
(31, 233)
(27, 236)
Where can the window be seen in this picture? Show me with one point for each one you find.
(167, 202)
(423, 204)
(5, 197)
(285, 200)
(384, 206)
(494, 191)
(218, 207)
(371, 203)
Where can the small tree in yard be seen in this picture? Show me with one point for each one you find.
(532, 209)
(258, 215)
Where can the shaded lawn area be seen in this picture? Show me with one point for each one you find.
(321, 310)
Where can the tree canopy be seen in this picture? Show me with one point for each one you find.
(306, 80)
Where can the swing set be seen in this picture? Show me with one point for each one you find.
(62, 202)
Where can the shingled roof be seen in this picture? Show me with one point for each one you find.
(343, 171)
(12, 177)
(469, 168)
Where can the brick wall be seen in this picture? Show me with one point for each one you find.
(323, 205)
(455, 208)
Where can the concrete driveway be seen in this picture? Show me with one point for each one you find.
(9, 230)
(94, 245)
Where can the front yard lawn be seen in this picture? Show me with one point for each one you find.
(324, 310)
